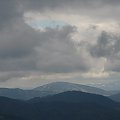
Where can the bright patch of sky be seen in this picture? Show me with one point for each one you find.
(42, 24)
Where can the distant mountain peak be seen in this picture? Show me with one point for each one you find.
(59, 87)
(49, 89)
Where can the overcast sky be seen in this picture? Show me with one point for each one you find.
(43, 41)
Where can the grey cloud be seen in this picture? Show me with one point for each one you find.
(104, 46)
(59, 53)
(108, 46)
(53, 4)
(52, 50)
(87, 7)
(95, 9)
(9, 12)
(4, 76)
(111, 2)
(24, 49)
(18, 64)
(17, 41)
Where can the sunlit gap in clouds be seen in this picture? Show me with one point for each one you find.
(42, 24)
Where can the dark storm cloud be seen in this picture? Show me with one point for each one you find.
(100, 10)
(12, 10)
(18, 40)
(4, 76)
(58, 53)
(108, 46)
(9, 12)
(76, 4)
(41, 4)
(104, 46)
(52, 50)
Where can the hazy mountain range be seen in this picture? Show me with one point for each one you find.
(50, 89)
(59, 101)
(115, 97)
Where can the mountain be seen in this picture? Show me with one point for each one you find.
(9, 117)
(22, 94)
(58, 87)
(75, 97)
(71, 105)
(115, 97)
(49, 89)
(75, 105)
(16, 109)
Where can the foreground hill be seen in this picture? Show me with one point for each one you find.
(76, 105)
(71, 105)
(9, 117)
(75, 97)
(16, 108)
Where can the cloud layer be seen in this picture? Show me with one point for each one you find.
(88, 43)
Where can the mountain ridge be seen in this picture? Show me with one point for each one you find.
(66, 86)
(50, 89)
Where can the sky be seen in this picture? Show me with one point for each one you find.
(43, 41)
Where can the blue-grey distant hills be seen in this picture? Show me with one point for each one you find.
(22, 94)
(50, 89)
(115, 97)
(58, 87)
